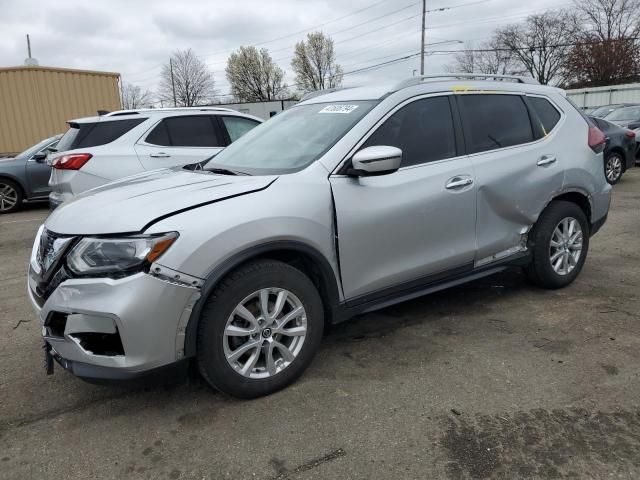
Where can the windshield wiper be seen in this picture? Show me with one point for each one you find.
(225, 171)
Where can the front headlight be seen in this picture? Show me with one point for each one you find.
(94, 255)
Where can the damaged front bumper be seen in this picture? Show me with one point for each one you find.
(115, 329)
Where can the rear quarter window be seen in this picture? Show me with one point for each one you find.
(547, 113)
(85, 135)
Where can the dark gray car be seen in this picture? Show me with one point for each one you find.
(25, 177)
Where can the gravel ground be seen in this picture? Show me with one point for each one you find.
(494, 379)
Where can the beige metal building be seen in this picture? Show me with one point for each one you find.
(36, 102)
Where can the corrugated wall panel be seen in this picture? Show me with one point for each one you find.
(36, 102)
(599, 96)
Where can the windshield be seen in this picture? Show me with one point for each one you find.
(291, 140)
(31, 151)
(629, 113)
(602, 111)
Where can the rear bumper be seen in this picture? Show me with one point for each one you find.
(56, 199)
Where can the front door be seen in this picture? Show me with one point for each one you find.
(414, 225)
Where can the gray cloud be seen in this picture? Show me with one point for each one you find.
(136, 37)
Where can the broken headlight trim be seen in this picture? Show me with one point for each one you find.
(95, 255)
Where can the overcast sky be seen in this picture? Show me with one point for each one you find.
(135, 37)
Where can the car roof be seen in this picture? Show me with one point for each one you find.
(161, 112)
(432, 83)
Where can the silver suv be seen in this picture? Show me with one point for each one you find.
(348, 202)
(99, 150)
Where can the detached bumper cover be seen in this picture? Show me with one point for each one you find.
(146, 312)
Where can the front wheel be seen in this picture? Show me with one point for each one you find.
(559, 242)
(259, 329)
(10, 196)
(613, 167)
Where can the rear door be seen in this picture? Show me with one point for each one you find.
(180, 140)
(415, 224)
(517, 162)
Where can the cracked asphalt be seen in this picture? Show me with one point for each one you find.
(494, 379)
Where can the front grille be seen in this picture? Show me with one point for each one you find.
(50, 271)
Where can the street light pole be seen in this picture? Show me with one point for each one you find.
(424, 14)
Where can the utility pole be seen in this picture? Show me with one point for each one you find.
(424, 14)
(28, 45)
(173, 83)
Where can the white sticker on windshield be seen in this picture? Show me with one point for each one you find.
(338, 109)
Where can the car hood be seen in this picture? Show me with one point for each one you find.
(130, 204)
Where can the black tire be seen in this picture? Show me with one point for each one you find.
(541, 271)
(239, 284)
(613, 167)
(9, 187)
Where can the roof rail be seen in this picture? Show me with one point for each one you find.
(467, 76)
(167, 109)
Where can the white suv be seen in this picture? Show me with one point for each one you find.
(99, 150)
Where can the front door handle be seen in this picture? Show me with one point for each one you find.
(546, 160)
(458, 182)
(159, 155)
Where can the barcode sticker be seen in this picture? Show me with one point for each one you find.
(338, 109)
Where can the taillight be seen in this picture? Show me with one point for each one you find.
(72, 161)
(596, 140)
(630, 134)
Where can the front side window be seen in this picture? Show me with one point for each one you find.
(293, 139)
(185, 131)
(238, 126)
(423, 130)
(547, 113)
(493, 121)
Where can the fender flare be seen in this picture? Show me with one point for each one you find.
(328, 278)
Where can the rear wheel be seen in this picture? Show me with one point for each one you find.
(559, 243)
(10, 196)
(613, 167)
(260, 329)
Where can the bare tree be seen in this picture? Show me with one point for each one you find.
(607, 50)
(314, 63)
(541, 44)
(610, 19)
(489, 58)
(133, 96)
(254, 77)
(192, 80)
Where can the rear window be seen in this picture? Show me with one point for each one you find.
(546, 112)
(84, 135)
(495, 121)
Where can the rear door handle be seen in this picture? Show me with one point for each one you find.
(546, 160)
(159, 155)
(458, 182)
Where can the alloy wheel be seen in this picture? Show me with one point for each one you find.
(565, 246)
(8, 197)
(265, 333)
(613, 168)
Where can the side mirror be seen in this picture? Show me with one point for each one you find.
(40, 157)
(377, 160)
